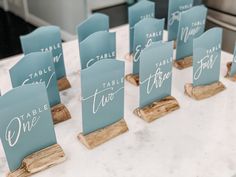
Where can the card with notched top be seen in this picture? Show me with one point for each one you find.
(155, 69)
(206, 65)
(26, 123)
(174, 11)
(41, 70)
(102, 102)
(96, 22)
(191, 25)
(140, 10)
(48, 39)
(98, 46)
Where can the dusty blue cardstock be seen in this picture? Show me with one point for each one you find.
(143, 37)
(191, 25)
(174, 10)
(98, 46)
(96, 22)
(137, 12)
(102, 94)
(233, 67)
(44, 39)
(206, 57)
(155, 72)
(37, 67)
(26, 123)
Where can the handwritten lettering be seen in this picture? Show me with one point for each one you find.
(100, 57)
(23, 124)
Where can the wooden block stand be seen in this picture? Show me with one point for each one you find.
(60, 113)
(232, 78)
(39, 161)
(205, 91)
(129, 57)
(63, 84)
(133, 79)
(157, 109)
(184, 63)
(100, 136)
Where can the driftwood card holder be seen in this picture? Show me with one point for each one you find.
(184, 63)
(157, 109)
(63, 84)
(101, 136)
(205, 91)
(60, 113)
(175, 43)
(232, 78)
(133, 79)
(39, 161)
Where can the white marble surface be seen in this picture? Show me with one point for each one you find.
(199, 140)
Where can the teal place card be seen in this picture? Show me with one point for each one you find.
(191, 25)
(206, 57)
(96, 22)
(102, 94)
(37, 67)
(143, 37)
(98, 46)
(155, 72)
(233, 67)
(174, 10)
(26, 123)
(142, 9)
(44, 39)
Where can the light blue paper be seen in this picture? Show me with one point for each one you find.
(137, 12)
(44, 39)
(98, 46)
(37, 67)
(102, 94)
(191, 25)
(96, 22)
(155, 72)
(143, 37)
(26, 123)
(174, 10)
(206, 57)
(233, 67)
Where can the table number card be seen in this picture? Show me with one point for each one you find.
(231, 67)
(155, 81)
(44, 39)
(96, 22)
(98, 46)
(191, 25)
(137, 12)
(206, 65)
(26, 124)
(41, 70)
(102, 102)
(143, 37)
(174, 10)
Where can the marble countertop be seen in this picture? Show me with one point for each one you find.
(198, 140)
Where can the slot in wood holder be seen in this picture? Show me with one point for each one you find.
(60, 113)
(175, 44)
(205, 91)
(232, 78)
(157, 109)
(133, 79)
(63, 84)
(184, 63)
(101, 136)
(39, 161)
